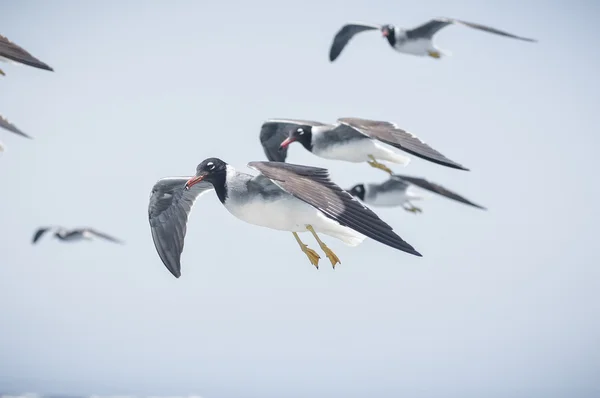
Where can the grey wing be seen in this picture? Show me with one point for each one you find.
(428, 29)
(391, 134)
(274, 131)
(168, 211)
(344, 35)
(104, 236)
(5, 124)
(39, 233)
(15, 53)
(393, 184)
(491, 30)
(435, 188)
(313, 186)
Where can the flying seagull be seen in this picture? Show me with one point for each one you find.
(10, 52)
(416, 41)
(74, 235)
(395, 192)
(283, 197)
(350, 139)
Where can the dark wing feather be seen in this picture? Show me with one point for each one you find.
(5, 124)
(168, 211)
(435, 188)
(274, 131)
(38, 234)
(344, 35)
(104, 236)
(428, 29)
(392, 135)
(313, 186)
(16, 53)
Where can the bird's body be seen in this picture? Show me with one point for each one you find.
(352, 147)
(258, 200)
(350, 139)
(396, 192)
(390, 195)
(282, 197)
(417, 41)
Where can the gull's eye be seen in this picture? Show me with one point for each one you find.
(210, 165)
(300, 131)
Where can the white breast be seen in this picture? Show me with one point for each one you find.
(414, 47)
(388, 199)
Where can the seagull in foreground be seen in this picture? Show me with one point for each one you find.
(10, 52)
(395, 192)
(351, 139)
(283, 197)
(417, 41)
(74, 235)
(5, 124)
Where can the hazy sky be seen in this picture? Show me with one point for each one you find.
(503, 303)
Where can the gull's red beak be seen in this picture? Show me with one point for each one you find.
(385, 32)
(286, 142)
(193, 181)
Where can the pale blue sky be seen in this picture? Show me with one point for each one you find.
(503, 303)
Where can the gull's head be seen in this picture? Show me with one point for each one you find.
(388, 30)
(301, 134)
(358, 191)
(208, 170)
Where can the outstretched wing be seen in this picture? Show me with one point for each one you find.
(435, 188)
(16, 53)
(103, 235)
(313, 186)
(428, 29)
(5, 124)
(344, 35)
(274, 131)
(391, 134)
(38, 234)
(168, 211)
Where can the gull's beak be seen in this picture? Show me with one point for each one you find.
(286, 143)
(194, 180)
(385, 32)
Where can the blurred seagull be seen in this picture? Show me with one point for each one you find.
(395, 192)
(417, 41)
(74, 235)
(350, 139)
(10, 52)
(283, 197)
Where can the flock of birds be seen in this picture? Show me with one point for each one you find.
(290, 197)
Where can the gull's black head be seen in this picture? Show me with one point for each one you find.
(301, 134)
(389, 32)
(211, 170)
(359, 191)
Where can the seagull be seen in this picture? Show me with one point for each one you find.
(74, 235)
(416, 41)
(395, 192)
(284, 197)
(10, 52)
(350, 139)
